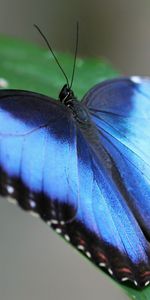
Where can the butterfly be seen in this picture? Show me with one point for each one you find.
(84, 168)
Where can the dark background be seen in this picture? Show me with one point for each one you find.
(34, 262)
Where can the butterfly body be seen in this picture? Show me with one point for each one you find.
(78, 111)
(84, 167)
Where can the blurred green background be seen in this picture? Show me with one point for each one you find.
(116, 29)
(34, 262)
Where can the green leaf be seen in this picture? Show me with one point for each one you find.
(138, 295)
(29, 67)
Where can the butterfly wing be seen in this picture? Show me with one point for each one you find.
(120, 110)
(38, 158)
(70, 177)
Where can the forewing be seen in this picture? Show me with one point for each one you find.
(122, 108)
(38, 155)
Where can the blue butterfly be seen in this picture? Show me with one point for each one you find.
(84, 167)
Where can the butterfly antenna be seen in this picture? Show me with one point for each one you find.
(50, 48)
(75, 54)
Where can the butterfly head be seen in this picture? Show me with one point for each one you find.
(66, 95)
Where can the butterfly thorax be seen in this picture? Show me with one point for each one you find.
(79, 112)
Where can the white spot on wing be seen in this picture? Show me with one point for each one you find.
(32, 203)
(88, 254)
(110, 271)
(136, 79)
(124, 279)
(10, 189)
(102, 264)
(67, 238)
(58, 230)
(147, 283)
(80, 247)
(62, 222)
(135, 282)
(54, 222)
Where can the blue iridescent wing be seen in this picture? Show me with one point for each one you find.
(38, 158)
(120, 112)
(69, 175)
